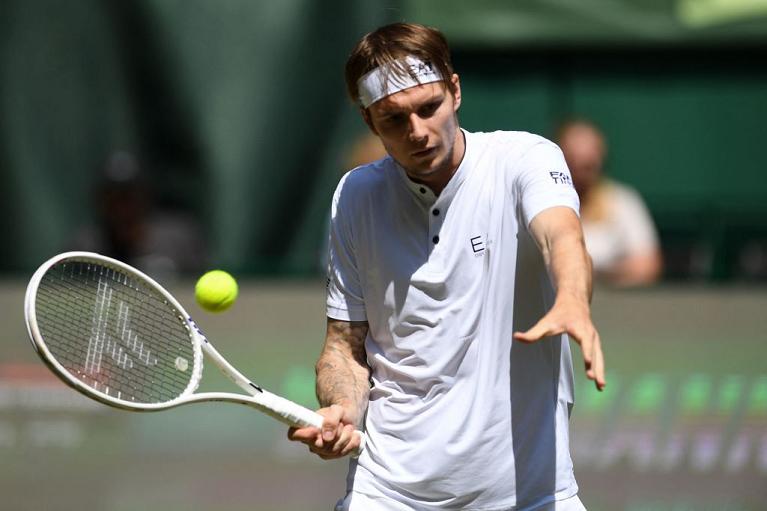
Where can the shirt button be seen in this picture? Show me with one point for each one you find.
(423, 190)
(435, 212)
(435, 239)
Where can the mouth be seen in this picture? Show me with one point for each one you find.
(423, 152)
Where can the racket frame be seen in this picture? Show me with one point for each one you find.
(280, 408)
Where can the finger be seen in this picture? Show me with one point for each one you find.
(329, 440)
(330, 424)
(305, 435)
(321, 446)
(588, 356)
(344, 437)
(356, 444)
(540, 330)
(599, 365)
(587, 349)
(595, 370)
(586, 339)
(325, 451)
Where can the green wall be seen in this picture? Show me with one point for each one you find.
(237, 110)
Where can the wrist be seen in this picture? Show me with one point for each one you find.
(572, 297)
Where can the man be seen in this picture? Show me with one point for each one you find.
(440, 255)
(619, 231)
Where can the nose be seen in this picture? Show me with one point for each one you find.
(417, 130)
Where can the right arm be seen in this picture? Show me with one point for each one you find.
(343, 376)
(342, 390)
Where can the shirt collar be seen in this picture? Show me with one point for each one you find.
(426, 195)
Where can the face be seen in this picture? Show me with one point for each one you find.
(584, 151)
(419, 129)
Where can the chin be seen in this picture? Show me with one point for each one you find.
(432, 166)
(421, 171)
(424, 168)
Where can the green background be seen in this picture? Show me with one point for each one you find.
(237, 111)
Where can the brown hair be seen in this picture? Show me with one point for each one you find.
(391, 42)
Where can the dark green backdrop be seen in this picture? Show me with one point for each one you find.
(237, 110)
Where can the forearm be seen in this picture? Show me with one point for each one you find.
(343, 376)
(564, 252)
(570, 267)
(560, 237)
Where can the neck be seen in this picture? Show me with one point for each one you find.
(439, 179)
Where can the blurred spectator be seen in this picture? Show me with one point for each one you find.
(130, 228)
(365, 149)
(619, 231)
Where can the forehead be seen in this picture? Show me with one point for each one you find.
(409, 98)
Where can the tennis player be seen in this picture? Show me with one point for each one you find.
(457, 274)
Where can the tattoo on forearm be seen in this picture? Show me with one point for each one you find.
(343, 376)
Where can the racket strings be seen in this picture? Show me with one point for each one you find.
(115, 334)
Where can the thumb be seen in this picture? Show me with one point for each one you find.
(332, 417)
(536, 332)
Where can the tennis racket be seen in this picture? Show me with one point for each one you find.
(114, 334)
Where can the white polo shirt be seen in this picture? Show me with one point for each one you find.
(460, 417)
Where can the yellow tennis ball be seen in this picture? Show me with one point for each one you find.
(216, 291)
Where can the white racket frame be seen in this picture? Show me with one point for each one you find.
(278, 407)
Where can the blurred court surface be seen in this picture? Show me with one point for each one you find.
(682, 425)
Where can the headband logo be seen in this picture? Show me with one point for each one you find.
(395, 77)
(421, 68)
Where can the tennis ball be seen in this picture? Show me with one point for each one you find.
(216, 291)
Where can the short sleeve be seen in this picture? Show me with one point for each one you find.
(344, 291)
(542, 180)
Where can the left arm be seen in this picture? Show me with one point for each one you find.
(557, 232)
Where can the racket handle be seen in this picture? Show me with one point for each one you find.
(294, 414)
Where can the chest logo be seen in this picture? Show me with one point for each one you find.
(477, 244)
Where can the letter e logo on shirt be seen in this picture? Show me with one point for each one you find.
(477, 244)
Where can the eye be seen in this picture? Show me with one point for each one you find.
(394, 119)
(428, 109)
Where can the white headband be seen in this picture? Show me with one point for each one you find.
(387, 79)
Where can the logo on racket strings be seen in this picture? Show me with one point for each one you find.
(120, 343)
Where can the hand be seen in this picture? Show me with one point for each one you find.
(337, 437)
(572, 316)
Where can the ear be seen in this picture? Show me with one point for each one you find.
(457, 93)
(366, 117)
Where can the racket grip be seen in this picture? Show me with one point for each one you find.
(294, 414)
